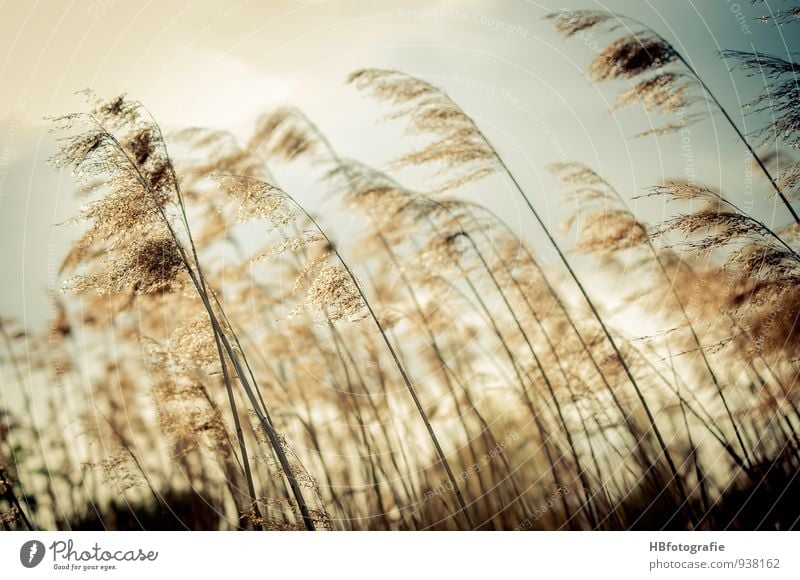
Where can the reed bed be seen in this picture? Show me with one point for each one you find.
(428, 370)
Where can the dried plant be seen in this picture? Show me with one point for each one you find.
(117, 146)
(387, 84)
(670, 80)
(429, 369)
(457, 140)
(780, 17)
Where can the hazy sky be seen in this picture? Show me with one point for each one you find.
(216, 63)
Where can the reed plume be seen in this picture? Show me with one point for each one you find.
(642, 52)
(229, 363)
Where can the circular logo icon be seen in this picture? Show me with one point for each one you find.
(31, 553)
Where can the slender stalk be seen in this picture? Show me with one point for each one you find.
(685, 314)
(401, 369)
(29, 410)
(567, 432)
(199, 284)
(557, 359)
(9, 492)
(722, 110)
(248, 474)
(449, 375)
(651, 419)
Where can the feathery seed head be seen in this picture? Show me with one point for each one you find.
(459, 148)
(569, 22)
(631, 56)
(258, 200)
(666, 92)
(145, 266)
(333, 296)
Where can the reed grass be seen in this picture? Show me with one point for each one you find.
(428, 370)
